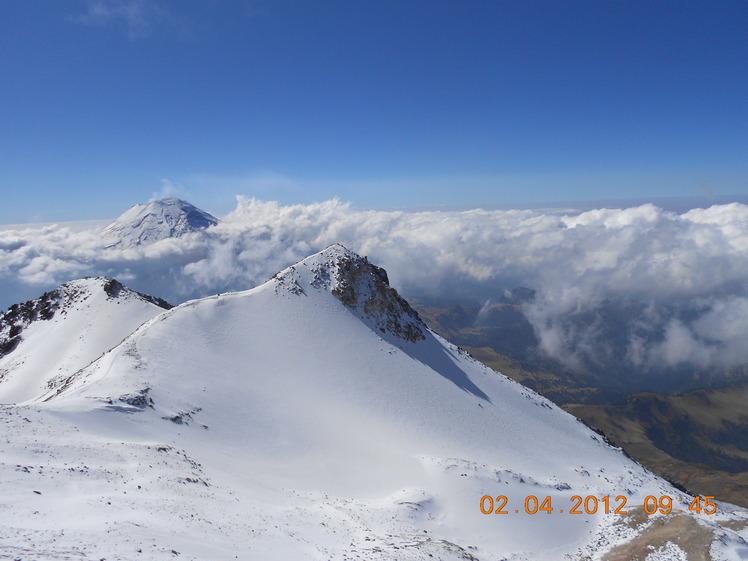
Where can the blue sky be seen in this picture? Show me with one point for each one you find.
(412, 103)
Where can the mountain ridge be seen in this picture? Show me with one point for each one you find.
(287, 422)
(65, 329)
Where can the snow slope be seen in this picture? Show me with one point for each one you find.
(313, 417)
(157, 220)
(46, 340)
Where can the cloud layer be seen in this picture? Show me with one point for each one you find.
(677, 281)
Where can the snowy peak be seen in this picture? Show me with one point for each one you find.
(45, 341)
(157, 220)
(358, 284)
(115, 289)
(69, 296)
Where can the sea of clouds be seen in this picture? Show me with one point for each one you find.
(686, 275)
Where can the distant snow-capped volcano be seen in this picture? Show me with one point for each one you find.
(157, 220)
(316, 417)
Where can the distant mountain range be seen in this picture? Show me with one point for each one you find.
(313, 417)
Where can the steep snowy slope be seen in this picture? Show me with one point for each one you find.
(157, 220)
(46, 340)
(314, 417)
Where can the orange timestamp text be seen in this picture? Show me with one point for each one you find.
(592, 504)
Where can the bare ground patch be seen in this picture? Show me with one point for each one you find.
(681, 530)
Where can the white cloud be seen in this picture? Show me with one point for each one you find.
(169, 189)
(680, 280)
(138, 18)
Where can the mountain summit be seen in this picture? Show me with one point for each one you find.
(46, 340)
(157, 220)
(363, 287)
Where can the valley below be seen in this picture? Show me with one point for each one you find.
(697, 438)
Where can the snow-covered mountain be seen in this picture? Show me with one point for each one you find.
(316, 417)
(144, 224)
(43, 341)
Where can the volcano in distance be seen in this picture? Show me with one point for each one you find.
(148, 223)
(316, 417)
